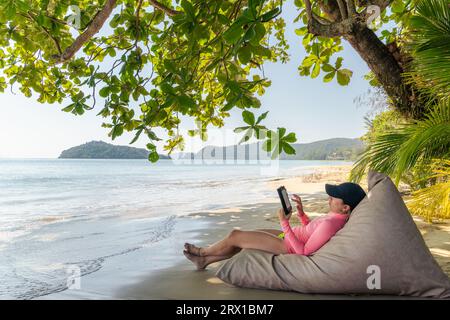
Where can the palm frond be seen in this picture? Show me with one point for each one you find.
(433, 202)
(397, 151)
(430, 45)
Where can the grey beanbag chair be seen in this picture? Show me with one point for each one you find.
(379, 251)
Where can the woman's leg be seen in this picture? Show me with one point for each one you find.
(275, 232)
(202, 262)
(238, 239)
(192, 249)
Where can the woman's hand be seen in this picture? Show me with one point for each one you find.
(282, 216)
(299, 205)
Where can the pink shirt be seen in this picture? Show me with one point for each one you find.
(312, 235)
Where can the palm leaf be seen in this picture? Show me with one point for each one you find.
(430, 46)
(398, 150)
(433, 201)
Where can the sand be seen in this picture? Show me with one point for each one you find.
(183, 281)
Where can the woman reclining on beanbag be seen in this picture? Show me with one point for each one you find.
(303, 240)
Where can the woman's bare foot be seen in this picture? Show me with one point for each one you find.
(192, 249)
(198, 261)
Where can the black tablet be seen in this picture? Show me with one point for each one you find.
(284, 198)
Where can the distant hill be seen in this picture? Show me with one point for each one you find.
(330, 149)
(103, 150)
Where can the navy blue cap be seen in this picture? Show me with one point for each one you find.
(350, 193)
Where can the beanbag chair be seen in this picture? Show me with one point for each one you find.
(379, 251)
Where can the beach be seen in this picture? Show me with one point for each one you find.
(174, 277)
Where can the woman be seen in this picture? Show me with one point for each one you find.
(303, 240)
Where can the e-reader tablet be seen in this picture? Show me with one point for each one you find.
(284, 198)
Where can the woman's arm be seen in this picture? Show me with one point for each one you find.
(318, 238)
(291, 238)
(304, 219)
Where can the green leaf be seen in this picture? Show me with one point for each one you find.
(262, 117)
(301, 31)
(186, 102)
(262, 51)
(343, 76)
(167, 88)
(203, 135)
(281, 132)
(170, 66)
(268, 145)
(248, 117)
(223, 19)
(104, 92)
(233, 34)
(247, 135)
(69, 108)
(316, 70)
(240, 129)
(287, 148)
(152, 136)
(309, 61)
(260, 32)
(252, 5)
(136, 137)
(79, 108)
(250, 33)
(10, 11)
(188, 9)
(329, 76)
(153, 156)
(116, 131)
(290, 138)
(338, 63)
(327, 67)
(111, 52)
(115, 21)
(397, 6)
(244, 54)
(270, 15)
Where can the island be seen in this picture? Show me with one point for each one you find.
(103, 150)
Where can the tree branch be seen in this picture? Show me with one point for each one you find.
(94, 26)
(331, 30)
(342, 9)
(321, 27)
(167, 10)
(383, 4)
(322, 20)
(351, 10)
(97, 23)
(308, 10)
(138, 11)
(55, 41)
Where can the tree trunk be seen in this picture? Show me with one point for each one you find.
(386, 69)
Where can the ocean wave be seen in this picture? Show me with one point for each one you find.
(29, 284)
(45, 199)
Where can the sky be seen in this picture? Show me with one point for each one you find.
(314, 110)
